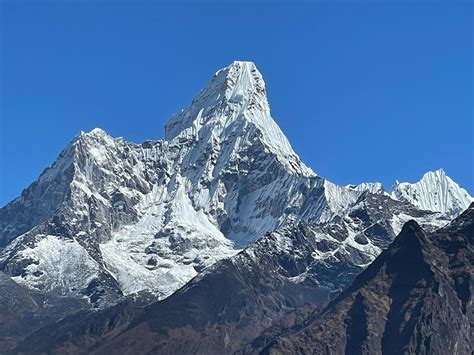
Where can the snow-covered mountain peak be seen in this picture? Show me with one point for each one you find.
(231, 91)
(238, 83)
(94, 133)
(95, 137)
(437, 174)
(232, 112)
(243, 83)
(436, 192)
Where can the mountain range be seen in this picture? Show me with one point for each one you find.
(220, 237)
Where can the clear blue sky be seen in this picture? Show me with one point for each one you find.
(365, 91)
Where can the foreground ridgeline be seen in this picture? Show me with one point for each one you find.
(219, 239)
(415, 298)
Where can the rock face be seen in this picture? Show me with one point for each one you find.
(415, 298)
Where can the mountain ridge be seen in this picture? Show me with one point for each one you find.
(223, 176)
(112, 218)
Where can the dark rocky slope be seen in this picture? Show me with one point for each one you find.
(23, 311)
(415, 298)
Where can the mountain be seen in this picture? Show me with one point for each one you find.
(415, 298)
(110, 218)
(434, 192)
(129, 217)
